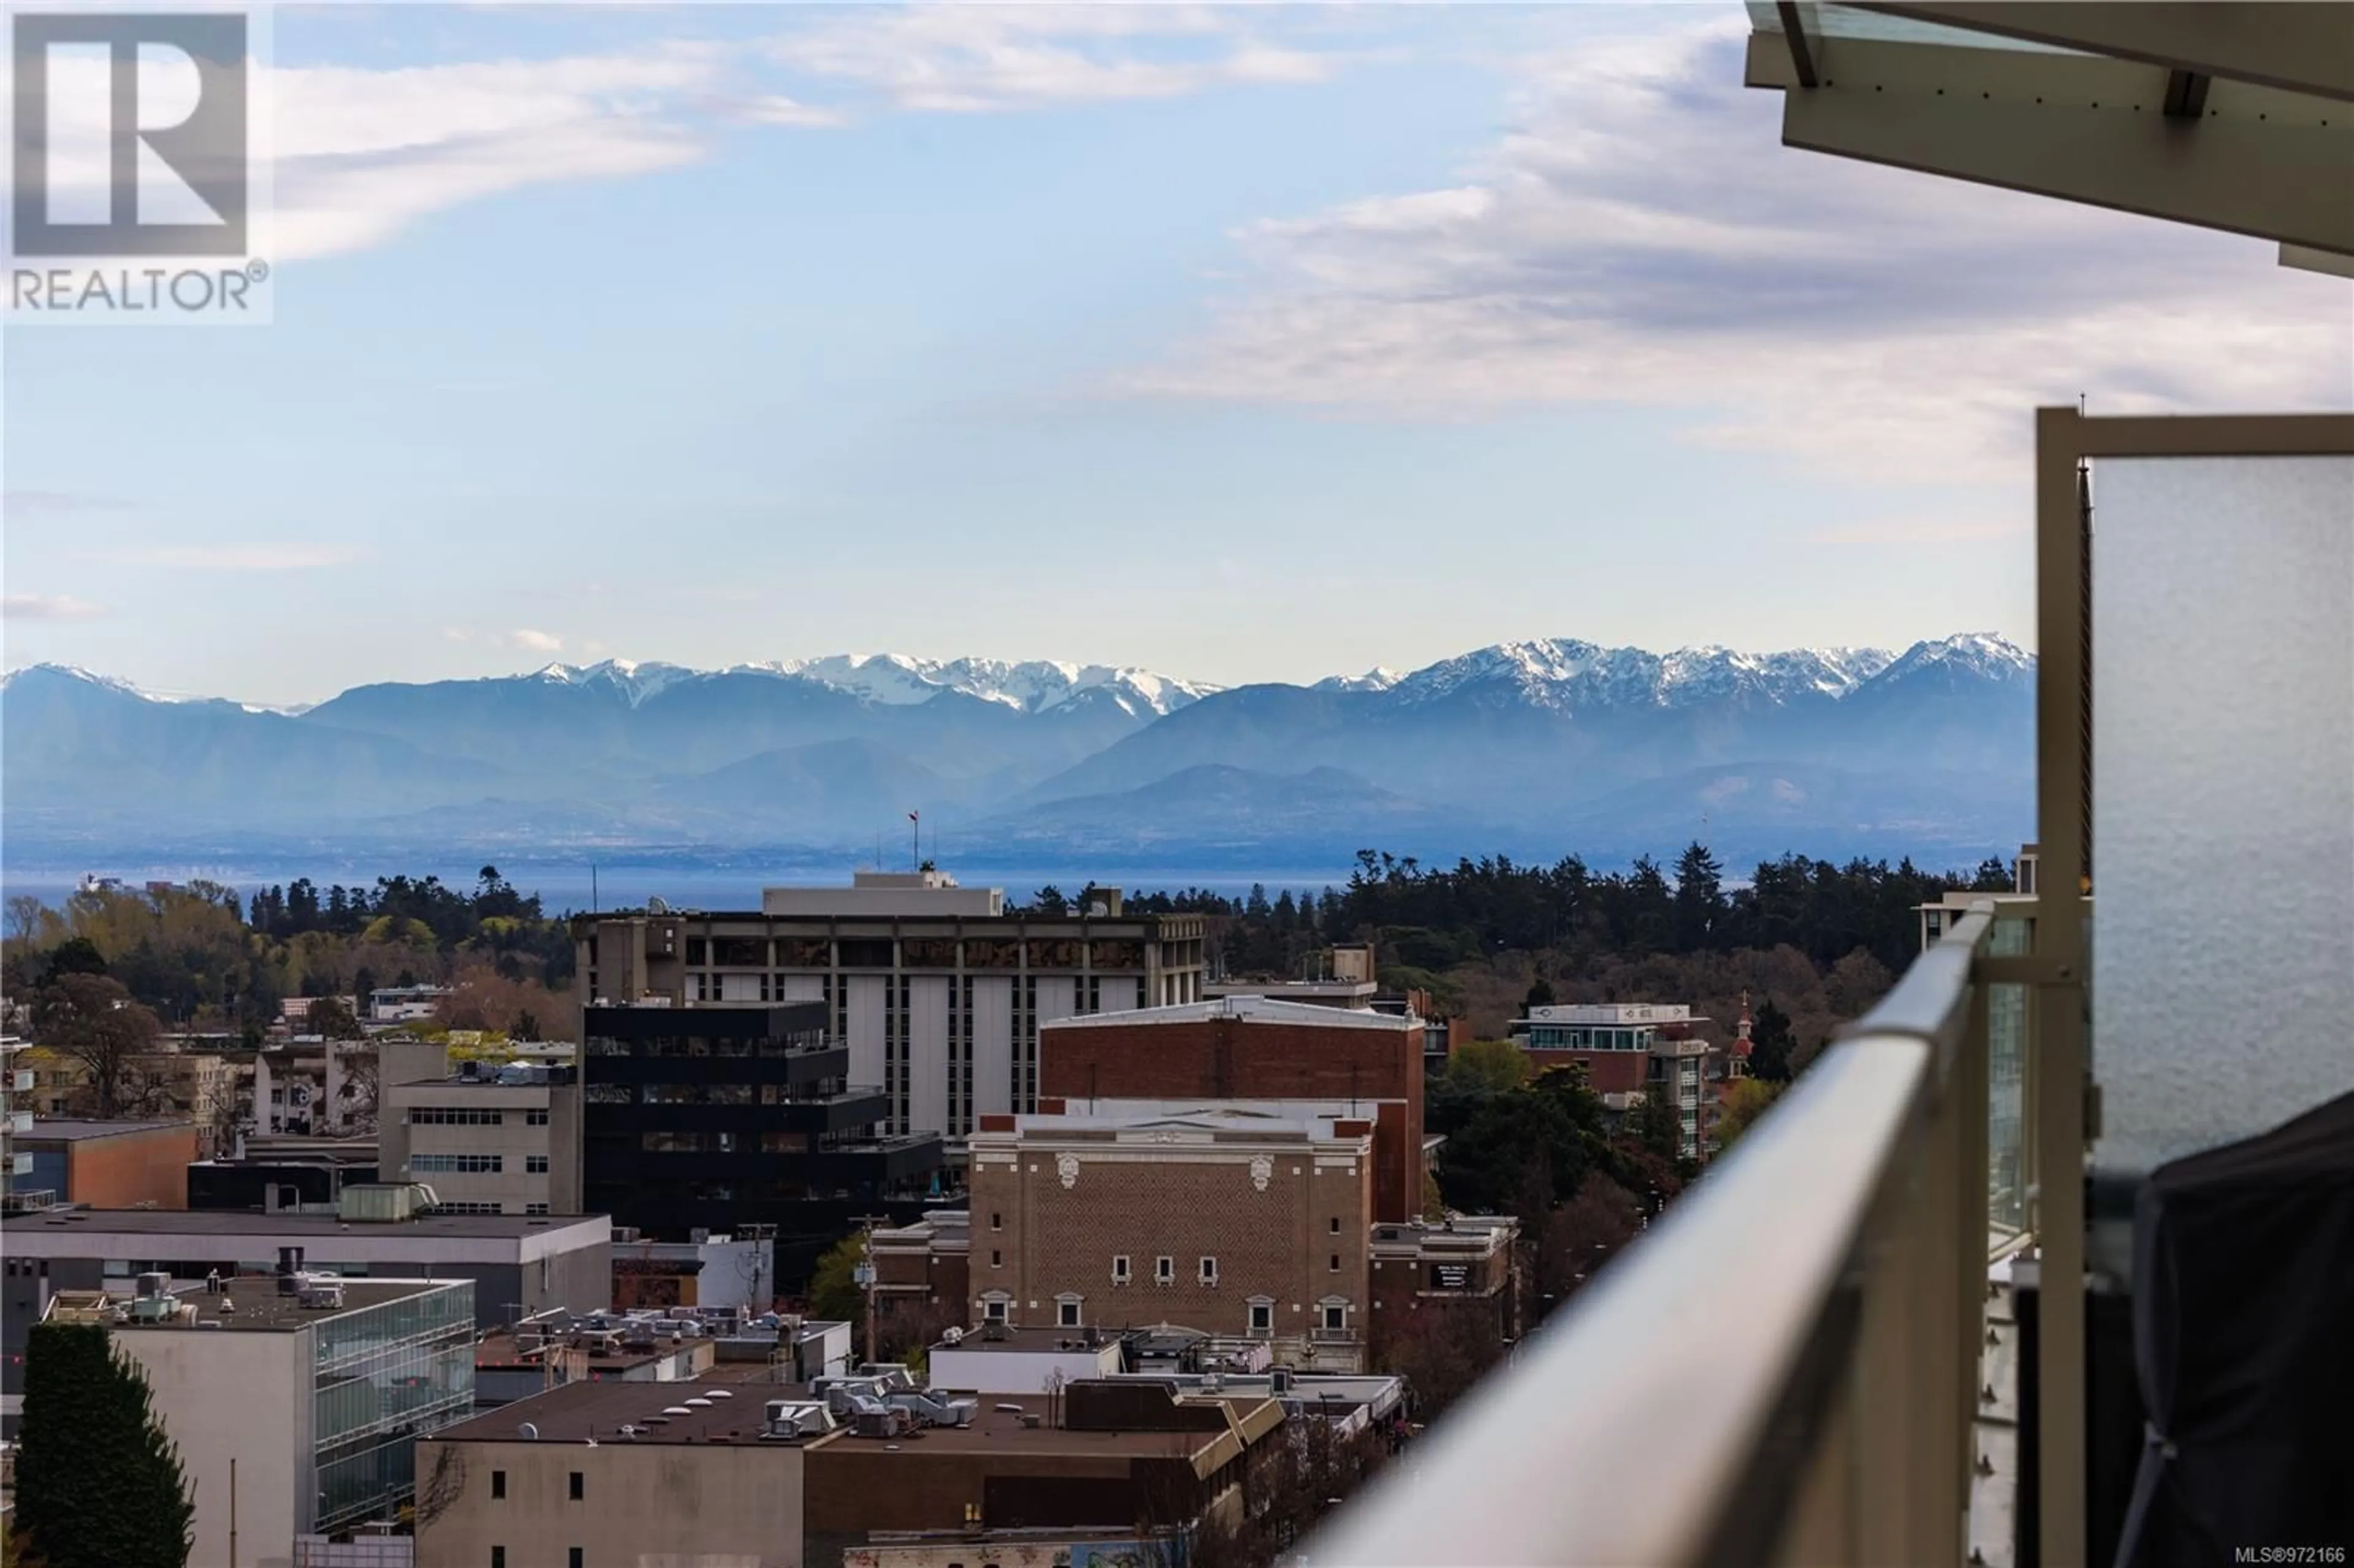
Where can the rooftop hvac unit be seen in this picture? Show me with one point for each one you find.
(792, 1418)
(322, 1296)
(883, 1421)
(155, 1283)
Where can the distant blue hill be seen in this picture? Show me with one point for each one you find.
(1538, 746)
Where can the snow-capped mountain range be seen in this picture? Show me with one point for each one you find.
(1819, 747)
(1030, 686)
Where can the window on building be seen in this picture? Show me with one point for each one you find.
(577, 1490)
(1336, 1263)
(1336, 1319)
(498, 1557)
(499, 1486)
(996, 1258)
(535, 1119)
(1209, 1271)
(1164, 1271)
(1120, 1269)
(534, 1164)
(534, 1208)
(578, 1559)
(1336, 1225)
(1066, 1313)
(457, 1164)
(992, 1311)
(1262, 1316)
(996, 1220)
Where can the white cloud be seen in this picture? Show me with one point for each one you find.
(23, 504)
(1640, 236)
(285, 557)
(523, 638)
(360, 154)
(48, 606)
(969, 58)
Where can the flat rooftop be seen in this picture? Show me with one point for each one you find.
(1247, 1008)
(734, 1411)
(253, 1221)
(73, 1129)
(1033, 1341)
(579, 1410)
(252, 1302)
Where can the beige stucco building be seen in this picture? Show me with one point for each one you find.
(554, 1483)
(488, 1140)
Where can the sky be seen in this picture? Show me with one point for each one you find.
(1237, 344)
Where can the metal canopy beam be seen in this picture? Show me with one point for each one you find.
(2300, 45)
(2261, 162)
(2307, 259)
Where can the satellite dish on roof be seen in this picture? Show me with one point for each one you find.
(657, 905)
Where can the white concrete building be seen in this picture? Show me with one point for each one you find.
(487, 1139)
(938, 990)
(317, 1391)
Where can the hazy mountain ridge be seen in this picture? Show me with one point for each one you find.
(1819, 748)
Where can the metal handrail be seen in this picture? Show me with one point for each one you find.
(1633, 1430)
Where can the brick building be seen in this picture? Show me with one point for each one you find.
(110, 1164)
(1227, 1219)
(1257, 1049)
(1464, 1264)
(928, 1263)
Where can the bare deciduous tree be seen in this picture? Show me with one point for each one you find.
(93, 1021)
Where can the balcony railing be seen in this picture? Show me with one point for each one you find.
(1784, 1368)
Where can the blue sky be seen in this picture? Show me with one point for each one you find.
(1238, 344)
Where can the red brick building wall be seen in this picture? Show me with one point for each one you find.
(131, 1170)
(1607, 1072)
(1240, 1058)
(1303, 1237)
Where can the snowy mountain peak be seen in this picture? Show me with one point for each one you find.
(75, 672)
(1980, 653)
(1380, 678)
(122, 687)
(1032, 687)
(1566, 674)
(636, 682)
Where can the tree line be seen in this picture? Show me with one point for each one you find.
(199, 957)
(1437, 917)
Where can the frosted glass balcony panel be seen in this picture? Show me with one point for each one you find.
(2223, 797)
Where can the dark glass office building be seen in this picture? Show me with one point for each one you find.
(717, 1118)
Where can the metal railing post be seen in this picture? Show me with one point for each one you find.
(2063, 772)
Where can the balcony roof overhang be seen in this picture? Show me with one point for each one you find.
(2235, 117)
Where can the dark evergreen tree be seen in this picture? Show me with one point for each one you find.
(98, 1484)
(1771, 1043)
(76, 956)
(1700, 899)
(1539, 995)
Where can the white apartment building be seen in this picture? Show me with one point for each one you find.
(937, 988)
(1632, 1050)
(1935, 917)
